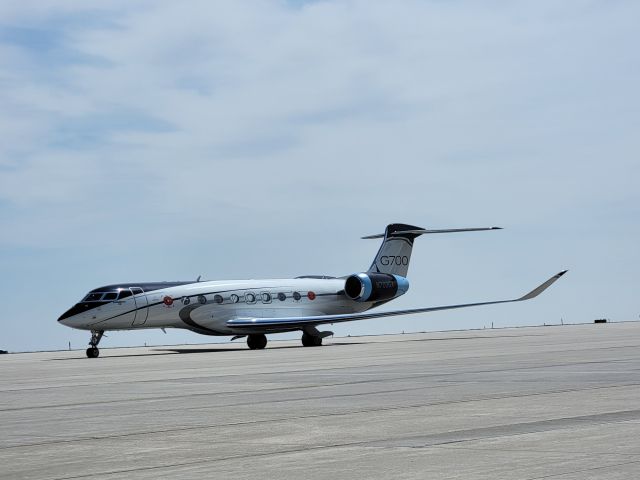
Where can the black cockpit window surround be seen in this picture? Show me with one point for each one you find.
(124, 294)
(93, 297)
(142, 287)
(110, 296)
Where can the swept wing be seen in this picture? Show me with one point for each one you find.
(303, 322)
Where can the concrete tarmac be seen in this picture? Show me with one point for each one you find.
(519, 403)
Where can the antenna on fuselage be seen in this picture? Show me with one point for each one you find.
(198, 279)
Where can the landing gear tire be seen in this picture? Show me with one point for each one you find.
(96, 336)
(257, 341)
(311, 341)
(93, 352)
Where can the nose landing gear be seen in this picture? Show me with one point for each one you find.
(92, 351)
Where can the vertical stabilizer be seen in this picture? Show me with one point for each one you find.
(395, 252)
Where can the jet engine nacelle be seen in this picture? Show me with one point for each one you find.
(374, 287)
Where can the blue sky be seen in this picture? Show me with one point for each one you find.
(164, 140)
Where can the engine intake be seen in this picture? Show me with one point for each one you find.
(373, 287)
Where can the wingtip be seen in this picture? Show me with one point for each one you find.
(541, 288)
(497, 228)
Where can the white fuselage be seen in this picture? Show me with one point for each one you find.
(205, 307)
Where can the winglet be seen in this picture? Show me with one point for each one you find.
(538, 290)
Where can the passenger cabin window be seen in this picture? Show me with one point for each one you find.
(282, 297)
(124, 294)
(266, 297)
(250, 298)
(110, 296)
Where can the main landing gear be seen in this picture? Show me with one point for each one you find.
(257, 341)
(311, 337)
(92, 351)
(311, 340)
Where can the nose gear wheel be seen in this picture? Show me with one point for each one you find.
(96, 336)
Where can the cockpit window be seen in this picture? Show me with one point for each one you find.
(110, 296)
(93, 297)
(124, 294)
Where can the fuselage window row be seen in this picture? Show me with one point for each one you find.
(248, 297)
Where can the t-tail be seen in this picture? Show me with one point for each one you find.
(395, 252)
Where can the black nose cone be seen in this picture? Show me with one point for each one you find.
(75, 310)
(69, 313)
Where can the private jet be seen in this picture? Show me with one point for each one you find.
(256, 308)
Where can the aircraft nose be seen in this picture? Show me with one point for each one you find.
(70, 313)
(63, 317)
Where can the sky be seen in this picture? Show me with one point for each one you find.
(160, 140)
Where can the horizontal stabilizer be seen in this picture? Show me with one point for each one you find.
(423, 231)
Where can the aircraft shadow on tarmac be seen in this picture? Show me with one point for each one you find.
(214, 350)
(173, 351)
(362, 342)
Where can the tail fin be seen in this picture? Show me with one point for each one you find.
(395, 252)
